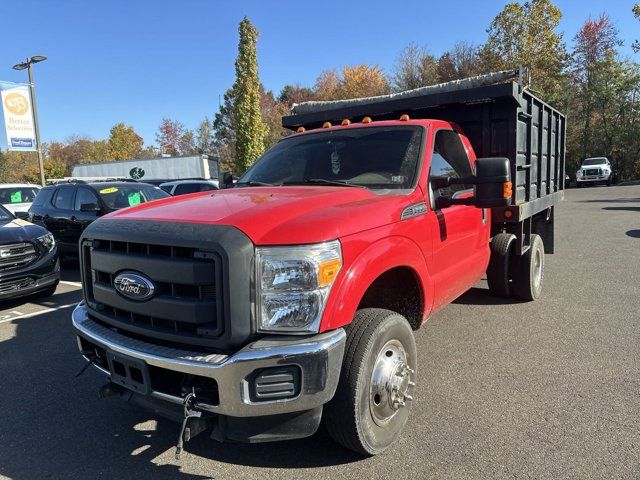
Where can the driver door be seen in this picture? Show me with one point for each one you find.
(460, 232)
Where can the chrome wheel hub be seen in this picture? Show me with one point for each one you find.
(537, 268)
(392, 382)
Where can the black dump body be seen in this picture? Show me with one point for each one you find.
(500, 119)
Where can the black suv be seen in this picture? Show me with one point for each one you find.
(28, 258)
(65, 209)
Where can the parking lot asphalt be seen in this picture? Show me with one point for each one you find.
(549, 389)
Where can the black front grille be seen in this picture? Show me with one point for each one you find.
(17, 255)
(203, 276)
(186, 306)
(593, 171)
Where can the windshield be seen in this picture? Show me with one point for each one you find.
(594, 161)
(373, 157)
(17, 195)
(123, 196)
(5, 215)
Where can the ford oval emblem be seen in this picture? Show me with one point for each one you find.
(134, 286)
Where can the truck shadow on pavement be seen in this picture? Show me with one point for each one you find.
(482, 296)
(610, 200)
(55, 426)
(628, 209)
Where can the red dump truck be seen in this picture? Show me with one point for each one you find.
(291, 296)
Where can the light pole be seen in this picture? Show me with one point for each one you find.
(34, 109)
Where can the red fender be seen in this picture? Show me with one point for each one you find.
(359, 274)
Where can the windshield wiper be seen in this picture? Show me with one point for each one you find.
(255, 183)
(342, 183)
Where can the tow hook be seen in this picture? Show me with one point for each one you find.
(189, 412)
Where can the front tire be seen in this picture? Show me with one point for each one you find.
(528, 273)
(371, 404)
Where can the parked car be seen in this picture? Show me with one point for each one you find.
(183, 187)
(17, 197)
(28, 258)
(594, 171)
(65, 209)
(293, 295)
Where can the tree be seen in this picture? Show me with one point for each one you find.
(525, 34)
(272, 112)
(124, 142)
(415, 67)
(291, 94)
(204, 137)
(187, 144)
(224, 137)
(355, 81)
(169, 136)
(636, 13)
(462, 61)
(248, 121)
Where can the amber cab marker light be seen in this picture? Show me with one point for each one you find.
(346, 121)
(506, 190)
(326, 124)
(300, 129)
(366, 120)
(404, 117)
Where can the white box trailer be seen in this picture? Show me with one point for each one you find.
(164, 168)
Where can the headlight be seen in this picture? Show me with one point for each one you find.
(579, 173)
(47, 241)
(294, 284)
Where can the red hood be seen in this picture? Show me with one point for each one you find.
(279, 215)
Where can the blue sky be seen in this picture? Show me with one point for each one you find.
(138, 60)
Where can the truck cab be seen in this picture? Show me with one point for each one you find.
(259, 310)
(594, 171)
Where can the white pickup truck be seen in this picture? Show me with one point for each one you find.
(593, 171)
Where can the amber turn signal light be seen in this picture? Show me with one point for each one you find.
(326, 124)
(300, 130)
(327, 271)
(366, 120)
(346, 121)
(404, 117)
(508, 214)
(507, 190)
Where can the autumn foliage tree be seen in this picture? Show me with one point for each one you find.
(353, 81)
(527, 34)
(124, 142)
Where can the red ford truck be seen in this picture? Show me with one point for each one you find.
(291, 296)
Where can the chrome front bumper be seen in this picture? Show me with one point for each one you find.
(319, 358)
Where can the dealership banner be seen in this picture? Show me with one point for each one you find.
(18, 119)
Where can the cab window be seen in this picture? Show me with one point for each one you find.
(450, 159)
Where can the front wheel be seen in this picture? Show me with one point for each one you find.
(371, 404)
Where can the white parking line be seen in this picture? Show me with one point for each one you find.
(39, 312)
(73, 284)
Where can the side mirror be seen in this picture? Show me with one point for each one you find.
(226, 180)
(22, 215)
(492, 185)
(89, 207)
